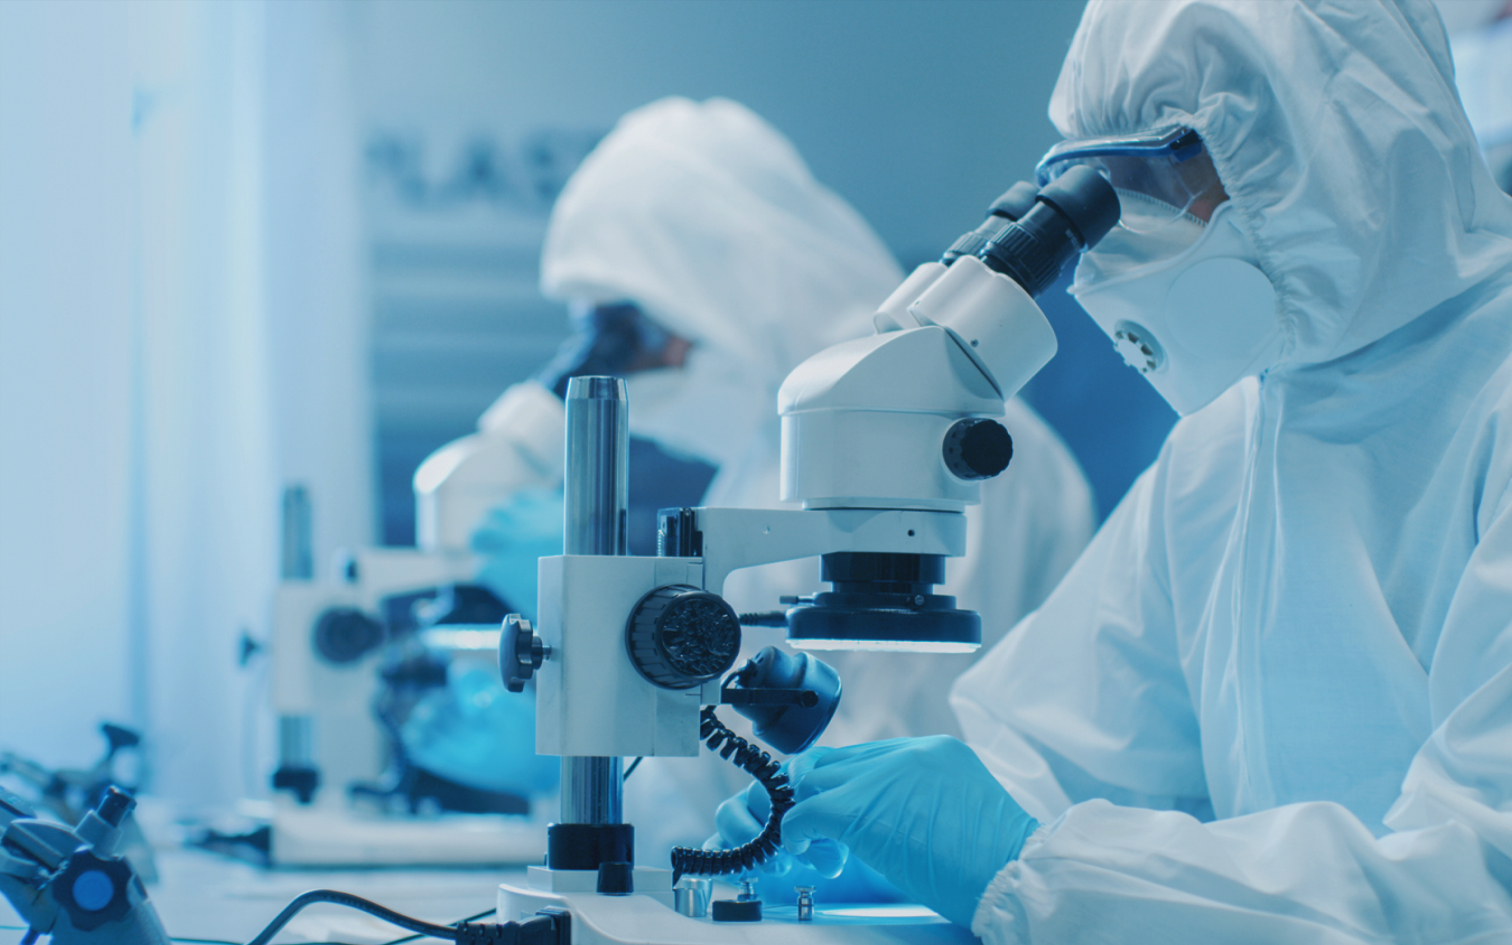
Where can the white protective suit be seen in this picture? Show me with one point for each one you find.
(707, 218)
(1272, 702)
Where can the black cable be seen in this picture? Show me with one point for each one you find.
(327, 895)
(631, 770)
(221, 941)
(411, 938)
(351, 902)
(759, 764)
(770, 618)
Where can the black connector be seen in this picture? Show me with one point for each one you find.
(547, 927)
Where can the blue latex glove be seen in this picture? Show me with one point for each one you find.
(474, 732)
(740, 820)
(526, 527)
(924, 812)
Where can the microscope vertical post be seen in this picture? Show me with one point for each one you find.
(597, 495)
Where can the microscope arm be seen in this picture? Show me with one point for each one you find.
(731, 539)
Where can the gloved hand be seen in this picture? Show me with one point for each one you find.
(522, 529)
(472, 731)
(740, 820)
(827, 866)
(924, 812)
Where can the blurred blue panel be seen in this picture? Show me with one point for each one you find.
(1112, 419)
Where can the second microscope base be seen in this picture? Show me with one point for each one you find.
(642, 919)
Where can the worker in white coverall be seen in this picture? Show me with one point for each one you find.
(705, 218)
(1272, 702)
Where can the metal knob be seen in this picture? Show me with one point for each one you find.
(680, 636)
(521, 652)
(976, 448)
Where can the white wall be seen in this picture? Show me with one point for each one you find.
(65, 389)
(919, 112)
(181, 332)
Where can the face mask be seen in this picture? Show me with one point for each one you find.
(708, 409)
(1192, 320)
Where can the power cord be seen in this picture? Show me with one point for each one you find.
(548, 927)
(223, 941)
(411, 938)
(758, 764)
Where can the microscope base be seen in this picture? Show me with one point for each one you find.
(641, 919)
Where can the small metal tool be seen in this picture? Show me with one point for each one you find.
(805, 903)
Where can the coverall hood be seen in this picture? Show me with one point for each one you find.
(707, 218)
(1338, 135)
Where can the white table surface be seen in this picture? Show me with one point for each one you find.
(203, 895)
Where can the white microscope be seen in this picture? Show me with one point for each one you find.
(885, 441)
(328, 647)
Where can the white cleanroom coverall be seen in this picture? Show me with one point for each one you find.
(1272, 702)
(707, 218)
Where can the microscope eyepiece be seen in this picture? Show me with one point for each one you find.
(1014, 203)
(1069, 216)
(1088, 202)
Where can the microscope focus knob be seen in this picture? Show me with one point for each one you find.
(521, 652)
(344, 635)
(680, 636)
(975, 448)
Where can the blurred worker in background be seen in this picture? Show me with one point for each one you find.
(1272, 702)
(695, 243)
(1480, 33)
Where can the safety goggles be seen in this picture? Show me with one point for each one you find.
(1159, 177)
(614, 338)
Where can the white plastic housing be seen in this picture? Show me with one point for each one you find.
(743, 538)
(519, 445)
(1000, 326)
(590, 700)
(863, 422)
(346, 743)
(893, 313)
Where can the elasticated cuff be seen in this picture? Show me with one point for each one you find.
(999, 917)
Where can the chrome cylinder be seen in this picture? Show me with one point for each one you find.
(598, 454)
(691, 896)
(295, 742)
(592, 791)
(597, 500)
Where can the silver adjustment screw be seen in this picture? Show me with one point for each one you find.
(805, 903)
(747, 889)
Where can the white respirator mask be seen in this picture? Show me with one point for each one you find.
(709, 409)
(1185, 304)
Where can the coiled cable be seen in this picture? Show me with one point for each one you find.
(758, 764)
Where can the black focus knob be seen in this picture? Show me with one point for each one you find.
(345, 635)
(977, 449)
(521, 652)
(736, 910)
(680, 636)
(616, 878)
